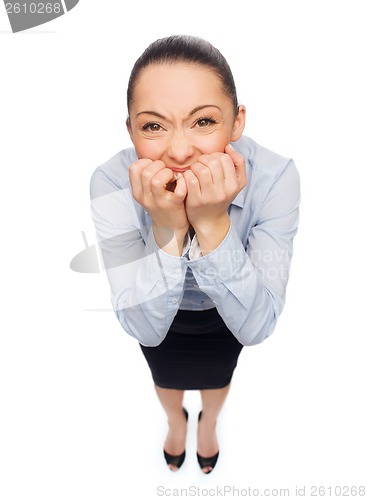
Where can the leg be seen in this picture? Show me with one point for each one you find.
(171, 400)
(212, 400)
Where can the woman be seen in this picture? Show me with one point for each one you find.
(195, 224)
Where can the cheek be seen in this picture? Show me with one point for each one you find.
(153, 150)
(213, 143)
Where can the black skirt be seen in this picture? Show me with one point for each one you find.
(199, 352)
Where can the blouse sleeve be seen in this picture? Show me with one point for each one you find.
(146, 283)
(247, 279)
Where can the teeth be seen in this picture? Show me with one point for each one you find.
(176, 177)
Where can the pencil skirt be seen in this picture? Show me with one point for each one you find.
(198, 352)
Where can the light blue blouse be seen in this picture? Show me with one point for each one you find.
(245, 277)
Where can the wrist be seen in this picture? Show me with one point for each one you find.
(169, 240)
(211, 234)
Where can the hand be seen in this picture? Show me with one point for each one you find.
(212, 184)
(153, 186)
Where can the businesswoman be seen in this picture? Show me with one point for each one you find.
(195, 223)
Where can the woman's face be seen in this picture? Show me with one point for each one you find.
(178, 112)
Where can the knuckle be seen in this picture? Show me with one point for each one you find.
(133, 169)
(142, 162)
(203, 158)
(227, 159)
(205, 173)
(159, 163)
(155, 182)
(146, 174)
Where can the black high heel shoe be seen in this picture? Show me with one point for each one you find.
(207, 461)
(176, 460)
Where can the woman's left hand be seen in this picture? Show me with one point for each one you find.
(213, 182)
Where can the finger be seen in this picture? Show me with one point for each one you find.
(158, 182)
(193, 185)
(239, 163)
(203, 173)
(135, 170)
(181, 187)
(149, 172)
(214, 163)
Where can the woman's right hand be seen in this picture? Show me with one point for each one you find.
(149, 180)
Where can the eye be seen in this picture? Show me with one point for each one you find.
(152, 127)
(205, 122)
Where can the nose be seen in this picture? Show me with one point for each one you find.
(180, 148)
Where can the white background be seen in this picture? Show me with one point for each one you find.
(79, 416)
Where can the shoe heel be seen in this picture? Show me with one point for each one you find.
(176, 460)
(206, 461)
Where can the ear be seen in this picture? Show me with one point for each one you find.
(239, 123)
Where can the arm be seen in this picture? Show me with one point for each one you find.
(153, 188)
(212, 184)
(247, 279)
(146, 282)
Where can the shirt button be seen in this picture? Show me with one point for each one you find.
(174, 300)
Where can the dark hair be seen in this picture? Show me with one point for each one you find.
(184, 48)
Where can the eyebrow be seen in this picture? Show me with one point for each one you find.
(195, 110)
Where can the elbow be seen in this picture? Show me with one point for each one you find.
(254, 333)
(260, 336)
(150, 342)
(142, 331)
(260, 326)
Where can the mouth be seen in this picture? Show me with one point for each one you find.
(179, 170)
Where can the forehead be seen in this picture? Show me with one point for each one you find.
(178, 85)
